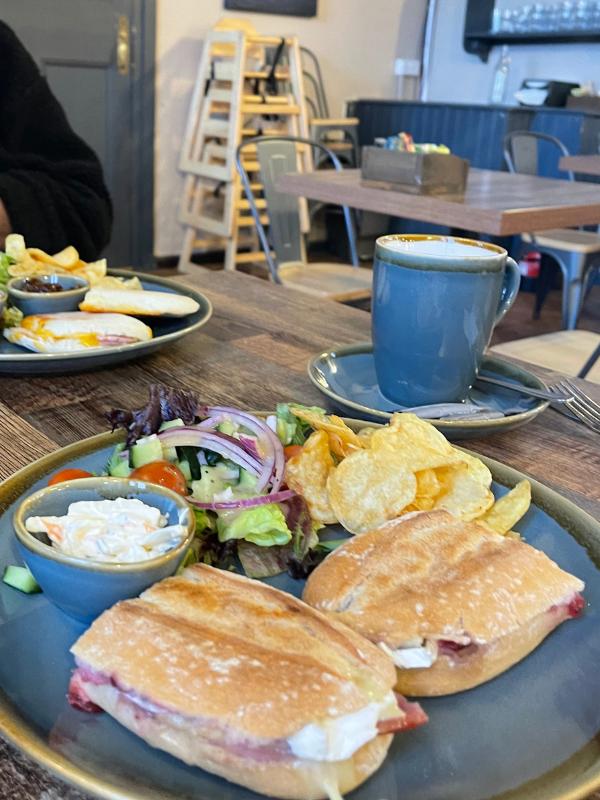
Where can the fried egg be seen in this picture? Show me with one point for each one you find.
(72, 331)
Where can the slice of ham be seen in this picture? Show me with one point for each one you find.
(576, 606)
(114, 340)
(77, 696)
(456, 650)
(412, 717)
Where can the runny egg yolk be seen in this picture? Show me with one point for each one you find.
(37, 325)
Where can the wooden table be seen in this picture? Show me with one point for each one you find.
(584, 165)
(253, 353)
(498, 203)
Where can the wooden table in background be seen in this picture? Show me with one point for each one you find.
(252, 353)
(497, 203)
(584, 165)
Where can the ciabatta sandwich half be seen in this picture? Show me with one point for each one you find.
(453, 603)
(245, 681)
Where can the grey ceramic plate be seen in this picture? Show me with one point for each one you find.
(16, 360)
(347, 377)
(531, 734)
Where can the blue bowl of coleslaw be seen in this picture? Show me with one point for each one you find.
(87, 555)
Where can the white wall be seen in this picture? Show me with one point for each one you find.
(356, 41)
(457, 77)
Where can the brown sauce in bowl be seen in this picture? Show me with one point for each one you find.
(37, 286)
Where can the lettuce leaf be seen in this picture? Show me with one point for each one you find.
(290, 429)
(5, 262)
(204, 520)
(15, 247)
(261, 525)
(262, 562)
(206, 547)
(11, 317)
(299, 556)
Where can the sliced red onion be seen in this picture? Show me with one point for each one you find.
(245, 502)
(266, 460)
(249, 445)
(268, 440)
(210, 423)
(247, 442)
(193, 437)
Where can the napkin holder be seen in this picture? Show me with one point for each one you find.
(416, 173)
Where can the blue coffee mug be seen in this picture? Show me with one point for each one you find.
(436, 300)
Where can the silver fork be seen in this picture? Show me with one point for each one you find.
(580, 405)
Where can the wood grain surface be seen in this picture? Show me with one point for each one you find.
(499, 203)
(253, 353)
(584, 165)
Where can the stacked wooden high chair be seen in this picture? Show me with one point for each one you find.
(247, 85)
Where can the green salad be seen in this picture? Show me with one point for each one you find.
(229, 464)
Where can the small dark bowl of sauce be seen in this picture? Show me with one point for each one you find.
(37, 285)
(47, 294)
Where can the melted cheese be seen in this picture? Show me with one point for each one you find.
(338, 738)
(412, 657)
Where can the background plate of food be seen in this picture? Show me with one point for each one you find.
(123, 314)
(530, 733)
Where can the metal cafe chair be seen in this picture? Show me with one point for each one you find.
(338, 134)
(576, 251)
(283, 245)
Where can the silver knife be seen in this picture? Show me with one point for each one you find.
(553, 397)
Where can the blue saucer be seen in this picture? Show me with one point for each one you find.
(347, 376)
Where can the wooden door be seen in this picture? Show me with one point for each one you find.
(98, 57)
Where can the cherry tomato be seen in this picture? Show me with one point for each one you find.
(292, 450)
(69, 475)
(164, 474)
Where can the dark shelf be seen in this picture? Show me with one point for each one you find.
(536, 36)
(479, 40)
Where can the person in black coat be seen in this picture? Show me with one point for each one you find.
(51, 184)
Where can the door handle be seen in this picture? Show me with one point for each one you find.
(123, 45)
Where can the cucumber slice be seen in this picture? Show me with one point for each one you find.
(146, 450)
(226, 427)
(172, 423)
(215, 480)
(185, 468)
(118, 467)
(121, 469)
(170, 454)
(190, 454)
(247, 482)
(21, 578)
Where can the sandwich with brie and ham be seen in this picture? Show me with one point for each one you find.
(452, 603)
(70, 331)
(245, 681)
